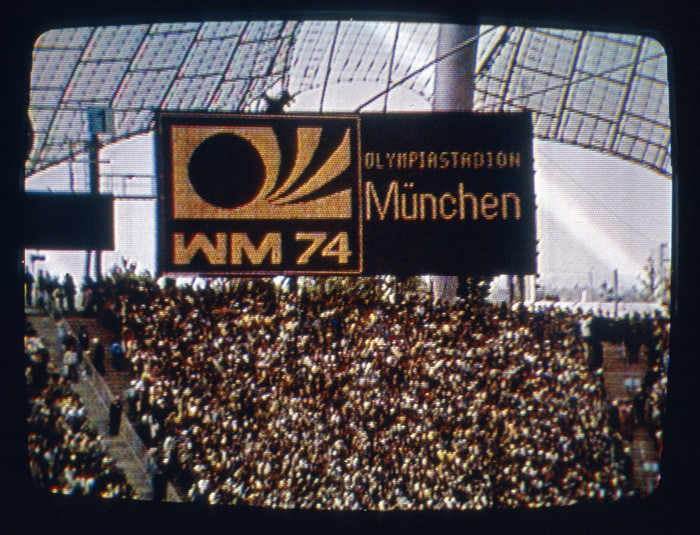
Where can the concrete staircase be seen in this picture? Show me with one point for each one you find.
(621, 379)
(96, 393)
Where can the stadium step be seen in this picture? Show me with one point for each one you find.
(621, 382)
(117, 381)
(96, 394)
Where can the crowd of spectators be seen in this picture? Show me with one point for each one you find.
(48, 293)
(66, 455)
(352, 395)
(641, 338)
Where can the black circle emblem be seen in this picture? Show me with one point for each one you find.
(225, 170)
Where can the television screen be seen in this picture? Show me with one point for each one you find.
(347, 264)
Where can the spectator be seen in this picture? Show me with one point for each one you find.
(83, 338)
(62, 328)
(58, 296)
(116, 351)
(98, 356)
(115, 417)
(28, 287)
(69, 292)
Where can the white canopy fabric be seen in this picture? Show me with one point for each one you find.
(596, 90)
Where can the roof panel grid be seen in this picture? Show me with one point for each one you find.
(66, 38)
(133, 121)
(649, 100)
(311, 54)
(209, 57)
(53, 68)
(653, 153)
(254, 31)
(357, 50)
(648, 151)
(345, 61)
(578, 128)
(133, 70)
(95, 81)
(597, 97)
(532, 88)
(115, 42)
(280, 61)
(540, 54)
(41, 119)
(416, 46)
(601, 134)
(363, 52)
(541, 124)
(381, 42)
(191, 93)
(611, 59)
(219, 30)
(273, 29)
(54, 152)
(616, 38)
(229, 96)
(163, 51)
(72, 122)
(144, 89)
(265, 54)
(638, 150)
(44, 99)
(243, 61)
(641, 129)
(623, 144)
(653, 62)
(603, 84)
(547, 103)
(589, 88)
(557, 33)
(174, 28)
(290, 29)
(252, 96)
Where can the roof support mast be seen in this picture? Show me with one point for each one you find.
(454, 91)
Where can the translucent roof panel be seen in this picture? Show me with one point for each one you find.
(133, 71)
(603, 91)
(353, 52)
(597, 90)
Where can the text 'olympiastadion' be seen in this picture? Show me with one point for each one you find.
(441, 160)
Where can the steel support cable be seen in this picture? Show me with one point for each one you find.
(330, 63)
(421, 69)
(391, 65)
(583, 78)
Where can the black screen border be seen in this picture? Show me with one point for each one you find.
(673, 507)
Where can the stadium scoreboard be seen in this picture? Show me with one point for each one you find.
(402, 193)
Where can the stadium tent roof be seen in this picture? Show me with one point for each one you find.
(133, 71)
(596, 90)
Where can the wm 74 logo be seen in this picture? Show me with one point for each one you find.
(259, 194)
